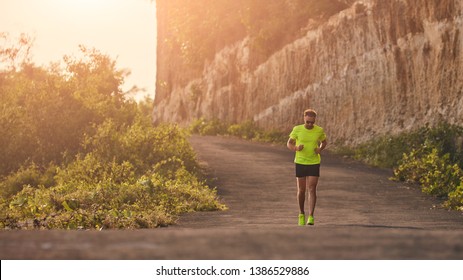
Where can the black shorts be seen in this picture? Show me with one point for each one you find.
(307, 170)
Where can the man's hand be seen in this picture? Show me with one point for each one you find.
(320, 148)
(300, 147)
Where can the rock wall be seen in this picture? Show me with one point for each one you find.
(379, 67)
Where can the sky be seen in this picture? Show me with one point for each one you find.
(125, 30)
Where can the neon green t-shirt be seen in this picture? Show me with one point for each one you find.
(311, 139)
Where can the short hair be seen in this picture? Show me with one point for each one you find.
(310, 113)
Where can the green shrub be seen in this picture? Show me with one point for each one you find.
(249, 130)
(382, 152)
(141, 144)
(273, 136)
(93, 194)
(447, 139)
(246, 130)
(455, 198)
(435, 173)
(386, 151)
(27, 176)
(131, 176)
(204, 127)
(429, 156)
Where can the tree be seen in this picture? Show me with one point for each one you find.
(46, 112)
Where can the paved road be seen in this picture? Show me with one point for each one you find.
(360, 215)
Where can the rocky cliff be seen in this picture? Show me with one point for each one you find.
(377, 67)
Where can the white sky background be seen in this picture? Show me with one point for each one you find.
(125, 30)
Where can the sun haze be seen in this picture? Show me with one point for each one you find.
(123, 29)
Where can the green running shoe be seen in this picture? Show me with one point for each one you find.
(310, 221)
(301, 220)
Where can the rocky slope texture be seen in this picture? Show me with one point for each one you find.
(373, 68)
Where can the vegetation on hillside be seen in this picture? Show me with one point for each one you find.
(431, 157)
(78, 154)
(247, 130)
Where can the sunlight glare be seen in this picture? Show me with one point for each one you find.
(80, 6)
(123, 29)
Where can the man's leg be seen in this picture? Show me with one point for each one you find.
(312, 185)
(301, 190)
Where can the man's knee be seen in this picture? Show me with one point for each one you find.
(313, 188)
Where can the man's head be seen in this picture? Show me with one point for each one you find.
(309, 117)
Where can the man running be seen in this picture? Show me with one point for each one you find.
(307, 140)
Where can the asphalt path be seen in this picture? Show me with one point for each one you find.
(360, 215)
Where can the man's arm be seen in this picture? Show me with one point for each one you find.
(321, 147)
(291, 144)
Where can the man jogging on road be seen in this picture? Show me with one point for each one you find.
(307, 140)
